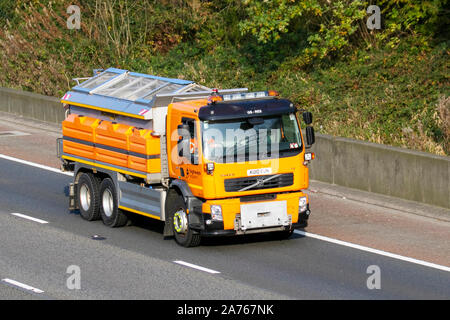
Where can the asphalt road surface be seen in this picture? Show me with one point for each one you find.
(136, 262)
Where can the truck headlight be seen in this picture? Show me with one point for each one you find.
(216, 213)
(308, 157)
(210, 167)
(302, 204)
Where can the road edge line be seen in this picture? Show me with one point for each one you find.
(33, 164)
(372, 250)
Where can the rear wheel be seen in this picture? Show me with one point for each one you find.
(88, 196)
(184, 235)
(111, 215)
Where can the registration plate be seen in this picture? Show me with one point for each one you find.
(264, 214)
(259, 171)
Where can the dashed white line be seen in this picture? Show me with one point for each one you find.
(37, 165)
(22, 285)
(28, 217)
(371, 250)
(187, 264)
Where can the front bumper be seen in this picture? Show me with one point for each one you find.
(216, 228)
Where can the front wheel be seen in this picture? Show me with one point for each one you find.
(184, 235)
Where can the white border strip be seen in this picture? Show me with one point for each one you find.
(195, 266)
(41, 166)
(23, 286)
(29, 218)
(371, 250)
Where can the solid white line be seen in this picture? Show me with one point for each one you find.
(196, 267)
(371, 250)
(35, 165)
(29, 218)
(306, 234)
(23, 286)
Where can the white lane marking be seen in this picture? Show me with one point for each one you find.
(22, 285)
(371, 250)
(35, 165)
(306, 234)
(13, 133)
(28, 217)
(196, 267)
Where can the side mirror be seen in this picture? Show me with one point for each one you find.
(310, 137)
(307, 117)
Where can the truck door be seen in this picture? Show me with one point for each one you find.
(190, 167)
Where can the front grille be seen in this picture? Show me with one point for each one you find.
(258, 197)
(283, 180)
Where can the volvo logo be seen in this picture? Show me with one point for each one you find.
(260, 181)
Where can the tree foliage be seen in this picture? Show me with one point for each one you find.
(335, 27)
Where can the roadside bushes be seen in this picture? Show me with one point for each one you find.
(388, 86)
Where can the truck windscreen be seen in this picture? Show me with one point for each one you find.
(251, 139)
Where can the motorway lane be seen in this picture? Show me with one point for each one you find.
(136, 262)
(39, 255)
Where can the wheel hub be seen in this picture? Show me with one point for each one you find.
(180, 222)
(108, 203)
(85, 197)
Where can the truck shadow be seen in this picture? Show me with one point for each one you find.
(158, 227)
(246, 239)
(145, 223)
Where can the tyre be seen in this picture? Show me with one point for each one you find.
(176, 210)
(111, 215)
(88, 199)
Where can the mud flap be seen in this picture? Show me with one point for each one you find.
(72, 197)
(168, 230)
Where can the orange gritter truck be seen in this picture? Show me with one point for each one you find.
(206, 162)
